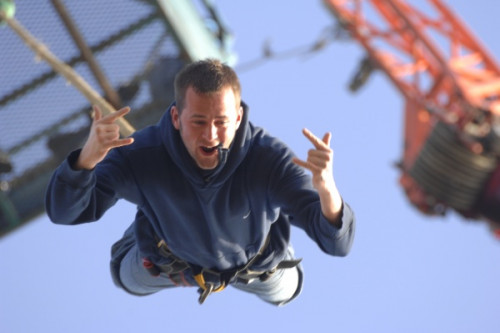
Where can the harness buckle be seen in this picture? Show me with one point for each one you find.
(205, 292)
(206, 288)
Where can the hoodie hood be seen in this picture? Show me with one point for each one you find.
(229, 159)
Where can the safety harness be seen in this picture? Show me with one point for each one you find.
(209, 280)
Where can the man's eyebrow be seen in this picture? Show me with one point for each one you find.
(198, 116)
(201, 116)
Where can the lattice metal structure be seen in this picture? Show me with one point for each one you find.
(138, 48)
(450, 84)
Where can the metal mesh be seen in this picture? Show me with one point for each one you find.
(43, 118)
(36, 104)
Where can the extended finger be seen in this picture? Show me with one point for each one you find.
(97, 113)
(326, 138)
(305, 164)
(319, 144)
(123, 142)
(300, 162)
(117, 143)
(115, 115)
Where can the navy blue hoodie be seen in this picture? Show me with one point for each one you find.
(218, 220)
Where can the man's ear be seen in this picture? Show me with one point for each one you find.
(174, 113)
(239, 117)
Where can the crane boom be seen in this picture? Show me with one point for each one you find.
(451, 87)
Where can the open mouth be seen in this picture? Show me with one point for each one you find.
(209, 150)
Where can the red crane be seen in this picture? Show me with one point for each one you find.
(451, 87)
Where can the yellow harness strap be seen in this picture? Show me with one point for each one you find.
(201, 282)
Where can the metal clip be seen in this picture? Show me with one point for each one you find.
(205, 292)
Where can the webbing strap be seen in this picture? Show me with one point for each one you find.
(207, 288)
(224, 278)
(200, 279)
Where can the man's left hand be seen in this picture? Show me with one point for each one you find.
(320, 163)
(319, 160)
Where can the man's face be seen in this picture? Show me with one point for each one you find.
(208, 120)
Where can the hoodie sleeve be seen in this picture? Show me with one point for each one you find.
(333, 240)
(291, 190)
(78, 196)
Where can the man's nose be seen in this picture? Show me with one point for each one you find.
(211, 132)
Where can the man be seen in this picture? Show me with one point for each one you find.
(215, 194)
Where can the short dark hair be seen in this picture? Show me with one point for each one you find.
(205, 77)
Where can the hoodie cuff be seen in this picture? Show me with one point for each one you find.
(346, 218)
(73, 177)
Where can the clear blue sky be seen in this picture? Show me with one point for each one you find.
(406, 272)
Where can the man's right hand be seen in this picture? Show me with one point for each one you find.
(104, 136)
